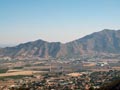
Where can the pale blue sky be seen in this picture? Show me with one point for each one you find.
(55, 20)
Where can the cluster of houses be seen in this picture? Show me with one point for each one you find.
(53, 81)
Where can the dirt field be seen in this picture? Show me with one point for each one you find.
(74, 74)
(116, 68)
(17, 73)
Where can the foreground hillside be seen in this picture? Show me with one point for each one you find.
(103, 42)
(115, 85)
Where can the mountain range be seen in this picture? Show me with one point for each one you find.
(102, 42)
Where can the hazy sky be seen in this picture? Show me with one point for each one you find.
(55, 20)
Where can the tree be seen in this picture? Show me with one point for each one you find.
(91, 88)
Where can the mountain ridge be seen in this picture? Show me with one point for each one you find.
(105, 41)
